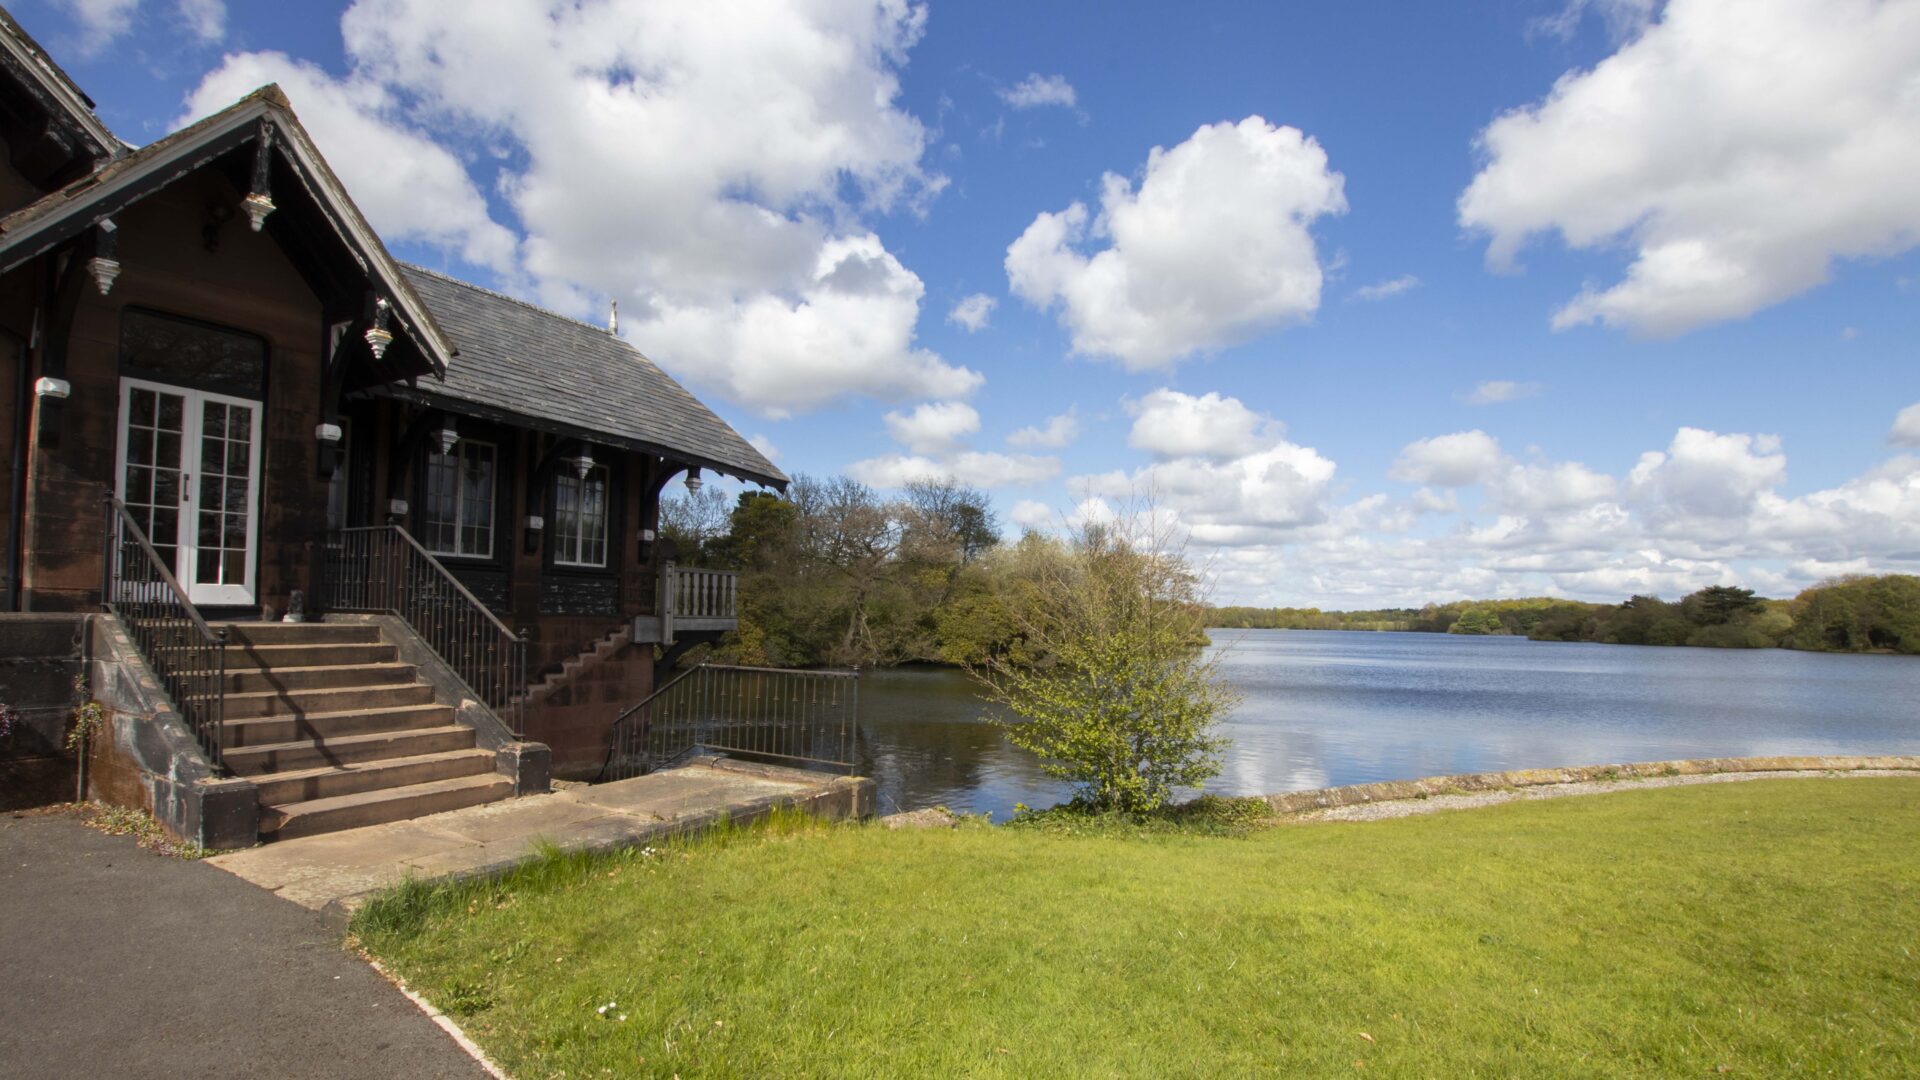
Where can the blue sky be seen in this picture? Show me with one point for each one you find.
(789, 199)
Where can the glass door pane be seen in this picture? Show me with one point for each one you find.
(224, 506)
(153, 459)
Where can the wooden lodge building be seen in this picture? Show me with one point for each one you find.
(210, 365)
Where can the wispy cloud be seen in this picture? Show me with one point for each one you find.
(972, 312)
(1385, 289)
(1495, 391)
(1039, 91)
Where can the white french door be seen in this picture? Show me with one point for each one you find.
(189, 472)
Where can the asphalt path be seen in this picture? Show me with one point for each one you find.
(116, 962)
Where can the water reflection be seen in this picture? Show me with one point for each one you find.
(1322, 708)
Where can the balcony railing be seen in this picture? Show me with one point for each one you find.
(690, 600)
(383, 569)
(185, 654)
(804, 718)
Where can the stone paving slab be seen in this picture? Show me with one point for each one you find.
(336, 872)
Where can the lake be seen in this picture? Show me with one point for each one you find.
(1324, 708)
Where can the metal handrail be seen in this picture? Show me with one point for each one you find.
(808, 718)
(400, 577)
(188, 655)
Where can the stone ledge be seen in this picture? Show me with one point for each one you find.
(1390, 790)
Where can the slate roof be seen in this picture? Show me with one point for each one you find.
(523, 361)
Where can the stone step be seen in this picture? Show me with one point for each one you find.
(244, 657)
(307, 633)
(346, 749)
(360, 809)
(265, 730)
(341, 699)
(305, 785)
(314, 677)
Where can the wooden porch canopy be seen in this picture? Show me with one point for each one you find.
(262, 149)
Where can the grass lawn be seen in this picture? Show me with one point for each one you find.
(1752, 929)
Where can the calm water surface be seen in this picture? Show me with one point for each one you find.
(1328, 708)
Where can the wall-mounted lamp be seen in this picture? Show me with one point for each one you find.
(446, 437)
(378, 336)
(535, 523)
(52, 394)
(694, 481)
(397, 507)
(646, 544)
(328, 433)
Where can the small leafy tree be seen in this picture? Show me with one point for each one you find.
(1112, 689)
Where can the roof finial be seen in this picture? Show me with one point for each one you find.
(613, 319)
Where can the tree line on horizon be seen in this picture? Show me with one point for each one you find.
(1858, 613)
(837, 573)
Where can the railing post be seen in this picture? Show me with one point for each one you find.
(669, 595)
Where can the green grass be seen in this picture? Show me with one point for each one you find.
(1754, 929)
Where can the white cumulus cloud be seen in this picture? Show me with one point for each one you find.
(708, 166)
(1057, 432)
(1457, 460)
(1906, 427)
(1736, 147)
(1213, 248)
(1170, 424)
(100, 21)
(206, 18)
(934, 427)
(410, 187)
(982, 469)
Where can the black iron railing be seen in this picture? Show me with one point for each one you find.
(806, 718)
(186, 655)
(383, 569)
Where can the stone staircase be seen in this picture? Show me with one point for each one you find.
(337, 733)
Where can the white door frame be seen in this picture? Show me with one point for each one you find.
(186, 557)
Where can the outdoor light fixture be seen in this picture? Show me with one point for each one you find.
(583, 464)
(446, 436)
(378, 336)
(694, 481)
(328, 433)
(258, 205)
(646, 536)
(535, 523)
(57, 389)
(397, 507)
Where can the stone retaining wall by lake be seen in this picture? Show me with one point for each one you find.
(1294, 802)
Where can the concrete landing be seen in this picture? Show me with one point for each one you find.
(337, 871)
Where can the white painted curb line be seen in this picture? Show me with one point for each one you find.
(446, 1022)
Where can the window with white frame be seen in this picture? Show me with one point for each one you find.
(580, 517)
(458, 516)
